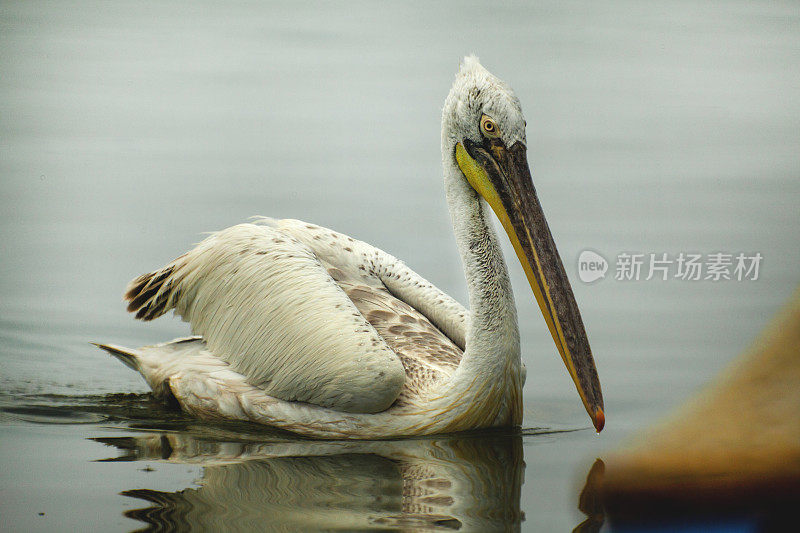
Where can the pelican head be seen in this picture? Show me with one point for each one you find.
(483, 135)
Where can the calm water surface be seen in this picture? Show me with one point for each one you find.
(128, 129)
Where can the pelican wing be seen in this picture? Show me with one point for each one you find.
(309, 323)
(264, 303)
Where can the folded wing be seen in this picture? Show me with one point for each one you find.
(264, 303)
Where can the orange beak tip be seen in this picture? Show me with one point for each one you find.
(599, 420)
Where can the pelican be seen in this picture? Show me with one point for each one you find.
(302, 328)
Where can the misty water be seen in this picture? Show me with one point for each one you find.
(129, 129)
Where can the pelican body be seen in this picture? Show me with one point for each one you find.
(306, 329)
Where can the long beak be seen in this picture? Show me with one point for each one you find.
(502, 177)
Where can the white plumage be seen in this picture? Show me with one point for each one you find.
(272, 299)
(303, 328)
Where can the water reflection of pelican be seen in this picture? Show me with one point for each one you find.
(469, 482)
(312, 331)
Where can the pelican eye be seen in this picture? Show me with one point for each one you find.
(489, 127)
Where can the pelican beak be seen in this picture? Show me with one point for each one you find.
(502, 177)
